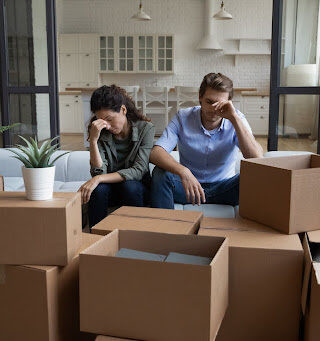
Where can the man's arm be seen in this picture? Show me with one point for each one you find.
(192, 187)
(248, 145)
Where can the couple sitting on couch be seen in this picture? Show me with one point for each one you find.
(208, 138)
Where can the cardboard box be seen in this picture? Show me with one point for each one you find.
(41, 303)
(311, 286)
(265, 275)
(110, 338)
(151, 300)
(282, 192)
(39, 232)
(1, 183)
(150, 219)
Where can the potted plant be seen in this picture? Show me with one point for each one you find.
(38, 170)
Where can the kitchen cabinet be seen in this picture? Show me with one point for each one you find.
(71, 114)
(78, 60)
(136, 54)
(256, 110)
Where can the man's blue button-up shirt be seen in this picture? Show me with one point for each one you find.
(210, 155)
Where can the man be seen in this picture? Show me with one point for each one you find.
(209, 137)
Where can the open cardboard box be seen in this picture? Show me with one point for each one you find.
(150, 300)
(311, 286)
(150, 219)
(282, 192)
(46, 232)
(265, 275)
(41, 303)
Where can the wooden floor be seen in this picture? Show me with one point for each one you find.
(75, 142)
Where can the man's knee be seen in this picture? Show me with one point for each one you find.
(159, 175)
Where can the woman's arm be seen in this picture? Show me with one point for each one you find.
(88, 187)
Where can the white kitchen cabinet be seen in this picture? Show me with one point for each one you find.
(69, 67)
(87, 68)
(256, 110)
(71, 114)
(78, 62)
(88, 43)
(136, 54)
(68, 43)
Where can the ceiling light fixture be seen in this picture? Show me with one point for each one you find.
(222, 14)
(141, 15)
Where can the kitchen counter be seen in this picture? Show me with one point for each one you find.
(171, 89)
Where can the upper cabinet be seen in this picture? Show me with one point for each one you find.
(78, 60)
(136, 54)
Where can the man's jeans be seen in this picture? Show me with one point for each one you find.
(166, 189)
(129, 193)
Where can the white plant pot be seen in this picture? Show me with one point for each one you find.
(38, 182)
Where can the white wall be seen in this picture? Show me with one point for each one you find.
(184, 19)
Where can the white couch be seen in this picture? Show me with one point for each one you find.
(73, 169)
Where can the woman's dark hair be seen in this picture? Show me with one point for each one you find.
(112, 98)
(216, 81)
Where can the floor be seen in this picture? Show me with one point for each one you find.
(75, 142)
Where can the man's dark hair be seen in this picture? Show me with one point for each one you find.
(216, 81)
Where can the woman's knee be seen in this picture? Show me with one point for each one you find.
(102, 190)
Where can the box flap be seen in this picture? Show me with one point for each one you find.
(284, 162)
(111, 338)
(315, 161)
(316, 268)
(19, 199)
(106, 246)
(234, 224)
(158, 213)
(1, 183)
(306, 275)
(314, 236)
(257, 240)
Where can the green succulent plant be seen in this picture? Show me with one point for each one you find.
(33, 156)
(4, 128)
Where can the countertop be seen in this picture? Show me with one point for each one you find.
(171, 90)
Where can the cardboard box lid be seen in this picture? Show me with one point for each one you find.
(245, 233)
(19, 200)
(158, 213)
(290, 163)
(110, 338)
(153, 219)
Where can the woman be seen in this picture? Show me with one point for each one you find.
(120, 143)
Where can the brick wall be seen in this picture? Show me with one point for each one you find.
(183, 18)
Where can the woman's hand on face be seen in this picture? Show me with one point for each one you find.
(96, 128)
(87, 188)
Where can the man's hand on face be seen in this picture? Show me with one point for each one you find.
(192, 187)
(225, 109)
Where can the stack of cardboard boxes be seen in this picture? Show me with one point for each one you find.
(40, 242)
(256, 287)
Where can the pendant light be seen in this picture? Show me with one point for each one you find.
(222, 14)
(141, 15)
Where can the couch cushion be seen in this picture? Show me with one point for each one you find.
(213, 210)
(78, 166)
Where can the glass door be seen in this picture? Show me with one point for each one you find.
(28, 69)
(294, 92)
